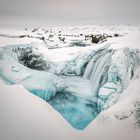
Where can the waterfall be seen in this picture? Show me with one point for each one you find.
(96, 69)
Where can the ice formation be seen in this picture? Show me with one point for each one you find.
(79, 88)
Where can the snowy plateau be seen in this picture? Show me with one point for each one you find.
(87, 78)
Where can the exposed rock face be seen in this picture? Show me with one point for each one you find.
(30, 59)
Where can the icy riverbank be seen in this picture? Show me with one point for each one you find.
(78, 99)
(96, 84)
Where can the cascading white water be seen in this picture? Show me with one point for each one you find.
(96, 68)
(110, 72)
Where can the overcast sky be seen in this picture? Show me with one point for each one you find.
(68, 12)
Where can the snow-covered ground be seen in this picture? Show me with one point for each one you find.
(108, 76)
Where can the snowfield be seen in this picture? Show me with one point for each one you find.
(87, 79)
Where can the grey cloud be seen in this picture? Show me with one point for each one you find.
(70, 12)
